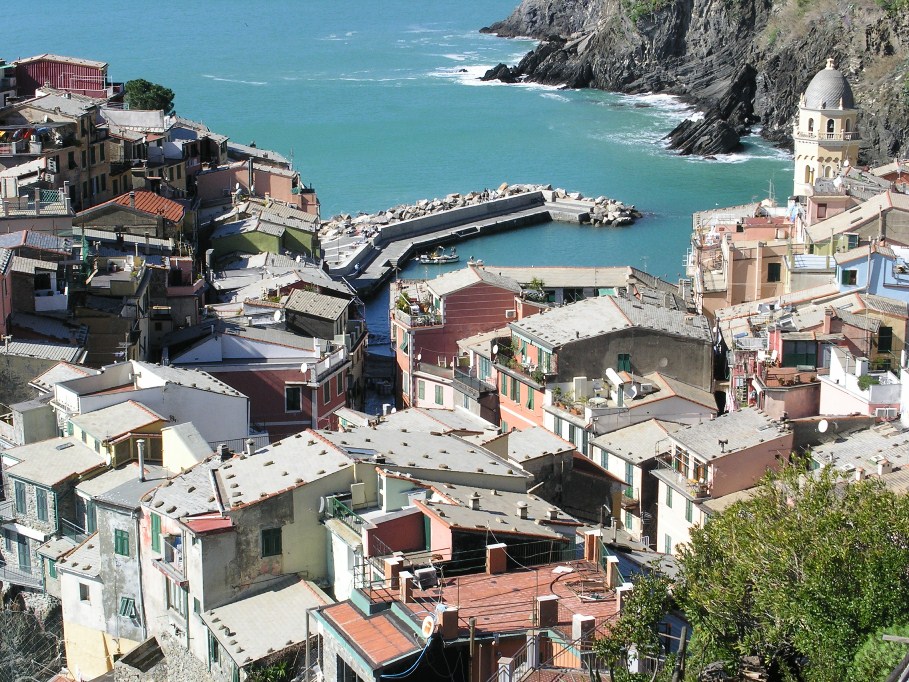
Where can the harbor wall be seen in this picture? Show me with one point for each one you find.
(445, 219)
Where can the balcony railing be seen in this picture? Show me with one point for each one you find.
(171, 564)
(74, 532)
(335, 509)
(697, 489)
(631, 497)
(427, 319)
(839, 137)
(16, 576)
(465, 383)
(21, 148)
(7, 510)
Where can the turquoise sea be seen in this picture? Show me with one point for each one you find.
(379, 104)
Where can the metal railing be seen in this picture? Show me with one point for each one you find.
(74, 532)
(427, 319)
(475, 386)
(335, 509)
(16, 576)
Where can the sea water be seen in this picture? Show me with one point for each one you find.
(380, 104)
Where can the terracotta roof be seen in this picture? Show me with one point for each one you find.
(151, 203)
(377, 637)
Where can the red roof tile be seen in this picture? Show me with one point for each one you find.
(149, 202)
(376, 636)
(505, 603)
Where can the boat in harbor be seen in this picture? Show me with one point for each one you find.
(439, 256)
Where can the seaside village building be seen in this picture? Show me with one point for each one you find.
(230, 509)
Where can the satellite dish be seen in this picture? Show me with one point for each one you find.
(278, 316)
(429, 625)
(822, 426)
(846, 162)
(419, 357)
(304, 368)
(495, 349)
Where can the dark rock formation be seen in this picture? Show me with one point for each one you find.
(707, 137)
(742, 62)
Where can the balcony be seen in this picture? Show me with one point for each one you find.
(7, 510)
(418, 318)
(829, 137)
(171, 564)
(469, 385)
(696, 489)
(21, 148)
(336, 509)
(187, 289)
(30, 577)
(74, 532)
(631, 498)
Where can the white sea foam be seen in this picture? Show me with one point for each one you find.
(233, 80)
(555, 96)
(456, 57)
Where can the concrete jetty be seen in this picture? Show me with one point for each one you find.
(366, 263)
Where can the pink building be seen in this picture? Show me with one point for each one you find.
(429, 317)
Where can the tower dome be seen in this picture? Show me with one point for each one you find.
(827, 89)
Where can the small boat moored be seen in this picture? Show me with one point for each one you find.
(439, 256)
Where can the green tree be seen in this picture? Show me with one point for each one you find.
(142, 94)
(876, 659)
(799, 575)
(634, 634)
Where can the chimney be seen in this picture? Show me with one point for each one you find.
(147, 248)
(223, 452)
(522, 509)
(861, 367)
(622, 592)
(582, 628)
(547, 610)
(140, 446)
(405, 585)
(859, 473)
(449, 629)
(392, 571)
(475, 501)
(132, 199)
(612, 572)
(552, 513)
(496, 558)
(250, 444)
(592, 545)
(884, 467)
(828, 321)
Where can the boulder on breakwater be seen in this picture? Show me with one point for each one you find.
(603, 211)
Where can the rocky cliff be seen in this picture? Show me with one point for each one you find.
(744, 63)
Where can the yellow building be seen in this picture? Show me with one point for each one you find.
(824, 134)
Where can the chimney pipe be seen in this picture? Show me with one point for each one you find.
(475, 501)
(132, 199)
(522, 510)
(553, 513)
(223, 452)
(250, 444)
(140, 446)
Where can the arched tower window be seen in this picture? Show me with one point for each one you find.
(847, 125)
(830, 125)
(809, 175)
(810, 125)
(827, 171)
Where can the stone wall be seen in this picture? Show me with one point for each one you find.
(174, 664)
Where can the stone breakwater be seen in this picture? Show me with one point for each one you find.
(601, 210)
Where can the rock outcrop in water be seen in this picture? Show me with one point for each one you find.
(744, 63)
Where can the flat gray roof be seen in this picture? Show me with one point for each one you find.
(535, 442)
(122, 487)
(288, 463)
(595, 317)
(85, 560)
(639, 442)
(864, 449)
(116, 420)
(52, 461)
(252, 628)
(740, 430)
(316, 304)
(427, 455)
